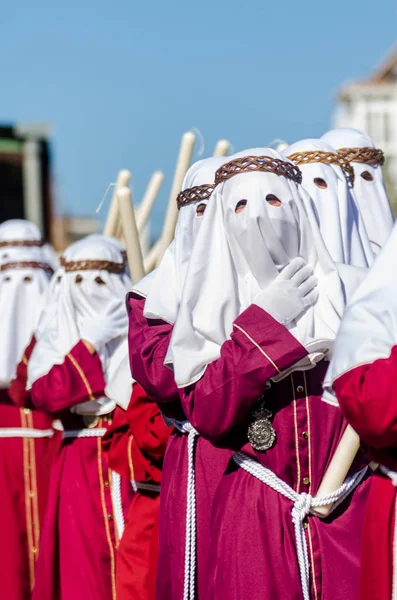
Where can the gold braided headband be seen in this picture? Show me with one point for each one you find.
(194, 194)
(369, 156)
(248, 164)
(318, 156)
(27, 265)
(22, 243)
(93, 265)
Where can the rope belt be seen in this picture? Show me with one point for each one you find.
(25, 432)
(84, 433)
(190, 543)
(302, 506)
(393, 478)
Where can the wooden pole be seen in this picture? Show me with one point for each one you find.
(151, 259)
(338, 468)
(222, 148)
(182, 165)
(133, 247)
(113, 218)
(145, 207)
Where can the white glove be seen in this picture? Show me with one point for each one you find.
(106, 327)
(291, 293)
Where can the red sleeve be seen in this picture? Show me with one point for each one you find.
(17, 390)
(368, 398)
(116, 444)
(148, 344)
(78, 379)
(147, 424)
(259, 348)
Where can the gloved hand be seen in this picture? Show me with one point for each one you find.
(104, 328)
(291, 293)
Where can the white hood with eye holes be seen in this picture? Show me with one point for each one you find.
(80, 297)
(164, 295)
(371, 195)
(237, 256)
(22, 291)
(335, 207)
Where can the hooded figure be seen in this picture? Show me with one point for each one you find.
(362, 376)
(76, 356)
(260, 308)
(26, 265)
(369, 187)
(154, 307)
(328, 180)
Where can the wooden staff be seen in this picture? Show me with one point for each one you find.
(281, 146)
(338, 468)
(222, 148)
(145, 207)
(182, 165)
(131, 236)
(152, 257)
(113, 219)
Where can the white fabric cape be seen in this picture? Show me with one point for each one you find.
(369, 328)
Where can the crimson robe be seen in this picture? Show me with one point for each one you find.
(252, 549)
(136, 445)
(148, 344)
(24, 472)
(368, 397)
(77, 556)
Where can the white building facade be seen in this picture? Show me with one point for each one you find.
(371, 105)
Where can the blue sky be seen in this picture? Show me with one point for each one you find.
(121, 81)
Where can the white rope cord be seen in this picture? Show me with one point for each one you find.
(393, 477)
(190, 545)
(25, 432)
(84, 433)
(189, 585)
(302, 505)
(117, 503)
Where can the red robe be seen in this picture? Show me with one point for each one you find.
(252, 548)
(135, 444)
(24, 473)
(77, 557)
(148, 344)
(368, 397)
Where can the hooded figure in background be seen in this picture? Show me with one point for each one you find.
(328, 180)
(369, 187)
(74, 360)
(26, 266)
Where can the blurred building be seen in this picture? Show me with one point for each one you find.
(371, 105)
(26, 184)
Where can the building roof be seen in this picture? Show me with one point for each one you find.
(384, 75)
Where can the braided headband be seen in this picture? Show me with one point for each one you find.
(194, 194)
(94, 265)
(318, 156)
(267, 164)
(22, 243)
(27, 265)
(369, 156)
